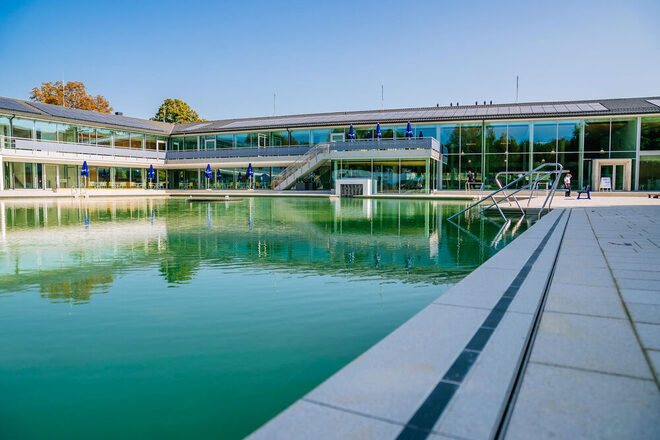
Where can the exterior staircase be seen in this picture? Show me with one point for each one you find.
(308, 162)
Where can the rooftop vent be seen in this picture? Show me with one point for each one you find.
(119, 113)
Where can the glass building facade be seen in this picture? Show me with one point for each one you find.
(625, 148)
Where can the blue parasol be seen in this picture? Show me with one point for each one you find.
(249, 172)
(84, 172)
(409, 132)
(379, 134)
(151, 174)
(208, 171)
(351, 132)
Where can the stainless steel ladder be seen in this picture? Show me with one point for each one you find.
(535, 176)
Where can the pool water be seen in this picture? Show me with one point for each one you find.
(155, 318)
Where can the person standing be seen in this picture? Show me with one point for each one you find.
(567, 184)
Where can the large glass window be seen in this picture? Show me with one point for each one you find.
(413, 176)
(104, 137)
(279, 138)
(386, 174)
(400, 131)
(137, 175)
(86, 135)
(518, 137)
(545, 136)
(471, 141)
(450, 135)
(470, 162)
(137, 141)
(207, 142)
(22, 128)
(224, 141)
(66, 133)
(649, 173)
(597, 135)
(320, 136)
(149, 142)
(243, 140)
(624, 135)
(496, 137)
(356, 169)
(387, 132)
(190, 143)
(495, 163)
(122, 140)
(299, 137)
(650, 136)
(568, 136)
(46, 131)
(176, 144)
(427, 131)
(122, 177)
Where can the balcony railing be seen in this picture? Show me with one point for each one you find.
(67, 147)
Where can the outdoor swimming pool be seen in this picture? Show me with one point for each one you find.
(154, 318)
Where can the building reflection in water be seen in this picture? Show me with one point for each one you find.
(73, 249)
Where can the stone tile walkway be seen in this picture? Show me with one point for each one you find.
(594, 366)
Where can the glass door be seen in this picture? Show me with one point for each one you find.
(261, 141)
(209, 144)
(617, 183)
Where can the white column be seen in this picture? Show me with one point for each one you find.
(2, 174)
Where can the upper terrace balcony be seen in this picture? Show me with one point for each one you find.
(428, 147)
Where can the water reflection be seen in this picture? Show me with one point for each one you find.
(73, 249)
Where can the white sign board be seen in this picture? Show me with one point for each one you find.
(606, 183)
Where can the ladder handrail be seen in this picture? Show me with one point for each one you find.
(559, 170)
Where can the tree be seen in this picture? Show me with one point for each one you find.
(73, 93)
(177, 112)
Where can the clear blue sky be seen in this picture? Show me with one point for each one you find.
(226, 59)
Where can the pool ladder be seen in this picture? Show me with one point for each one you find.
(537, 175)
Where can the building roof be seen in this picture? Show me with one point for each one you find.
(84, 117)
(600, 107)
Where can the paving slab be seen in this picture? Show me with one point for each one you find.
(590, 343)
(640, 296)
(585, 300)
(644, 313)
(649, 334)
(564, 403)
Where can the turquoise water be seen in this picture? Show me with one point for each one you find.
(166, 319)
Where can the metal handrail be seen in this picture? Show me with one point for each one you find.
(558, 170)
(300, 162)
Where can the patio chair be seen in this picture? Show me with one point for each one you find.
(585, 191)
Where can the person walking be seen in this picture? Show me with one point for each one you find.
(567, 184)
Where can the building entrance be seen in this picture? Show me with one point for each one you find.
(612, 175)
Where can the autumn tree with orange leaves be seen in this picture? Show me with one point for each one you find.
(73, 93)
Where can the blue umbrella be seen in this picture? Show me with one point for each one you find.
(421, 134)
(208, 171)
(239, 176)
(84, 172)
(218, 174)
(379, 134)
(409, 132)
(151, 174)
(351, 132)
(249, 172)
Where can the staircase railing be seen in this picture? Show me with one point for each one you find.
(300, 163)
(536, 175)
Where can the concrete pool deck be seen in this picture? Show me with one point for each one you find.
(556, 336)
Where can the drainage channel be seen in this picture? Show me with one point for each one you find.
(510, 403)
(423, 420)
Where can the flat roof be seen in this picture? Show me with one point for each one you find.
(584, 108)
